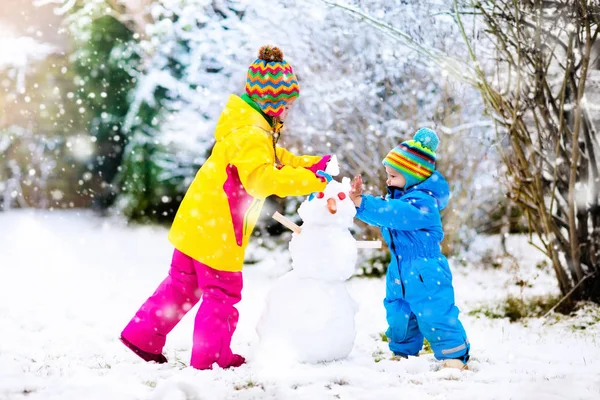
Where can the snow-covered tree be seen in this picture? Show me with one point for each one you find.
(176, 101)
(104, 60)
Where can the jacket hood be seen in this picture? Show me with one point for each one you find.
(435, 185)
(237, 114)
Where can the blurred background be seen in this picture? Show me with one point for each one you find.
(110, 105)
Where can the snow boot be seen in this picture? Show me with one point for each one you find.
(455, 363)
(144, 355)
(398, 357)
(234, 361)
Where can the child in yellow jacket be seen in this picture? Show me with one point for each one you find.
(218, 213)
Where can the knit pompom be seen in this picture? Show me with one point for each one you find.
(270, 54)
(427, 138)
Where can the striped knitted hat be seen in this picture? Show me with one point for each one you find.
(271, 82)
(415, 159)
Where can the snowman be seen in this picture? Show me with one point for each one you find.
(309, 314)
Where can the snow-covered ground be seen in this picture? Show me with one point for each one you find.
(69, 282)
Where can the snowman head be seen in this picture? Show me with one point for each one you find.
(329, 207)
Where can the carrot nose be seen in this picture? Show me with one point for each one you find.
(331, 205)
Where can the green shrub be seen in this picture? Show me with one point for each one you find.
(376, 266)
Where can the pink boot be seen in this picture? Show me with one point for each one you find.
(144, 355)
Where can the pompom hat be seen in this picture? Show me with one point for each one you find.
(271, 82)
(414, 159)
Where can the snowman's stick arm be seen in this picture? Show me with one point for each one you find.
(288, 223)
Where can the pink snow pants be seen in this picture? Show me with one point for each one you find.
(216, 320)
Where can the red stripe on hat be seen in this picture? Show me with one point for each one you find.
(417, 153)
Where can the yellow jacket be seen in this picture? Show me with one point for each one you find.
(221, 207)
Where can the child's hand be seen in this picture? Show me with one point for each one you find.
(357, 190)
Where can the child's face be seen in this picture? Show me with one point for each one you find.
(395, 178)
(286, 109)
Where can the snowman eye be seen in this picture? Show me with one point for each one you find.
(342, 195)
(320, 195)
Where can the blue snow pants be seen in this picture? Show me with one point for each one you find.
(419, 303)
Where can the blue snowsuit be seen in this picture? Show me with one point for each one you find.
(419, 299)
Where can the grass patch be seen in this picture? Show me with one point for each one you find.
(585, 315)
(384, 337)
(490, 259)
(426, 347)
(179, 363)
(103, 365)
(378, 355)
(341, 382)
(488, 312)
(515, 308)
(250, 384)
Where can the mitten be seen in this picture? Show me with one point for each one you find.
(320, 165)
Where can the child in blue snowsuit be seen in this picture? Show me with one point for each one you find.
(419, 299)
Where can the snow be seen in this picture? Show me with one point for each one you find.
(70, 281)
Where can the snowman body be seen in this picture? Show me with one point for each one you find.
(309, 314)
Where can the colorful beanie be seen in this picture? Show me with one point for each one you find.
(415, 159)
(271, 82)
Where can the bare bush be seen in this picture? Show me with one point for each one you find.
(537, 95)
